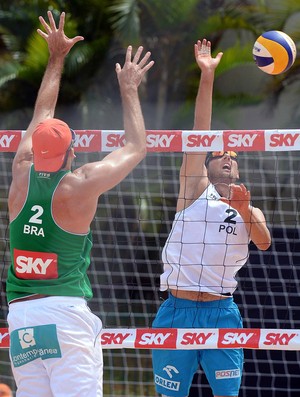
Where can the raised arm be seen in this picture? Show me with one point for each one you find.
(98, 177)
(59, 46)
(129, 79)
(193, 174)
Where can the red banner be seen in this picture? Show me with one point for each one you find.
(192, 339)
(176, 140)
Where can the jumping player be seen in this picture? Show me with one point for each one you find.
(207, 245)
(54, 337)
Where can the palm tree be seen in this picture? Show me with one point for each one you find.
(23, 53)
(169, 29)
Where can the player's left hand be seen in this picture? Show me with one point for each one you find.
(239, 198)
(203, 56)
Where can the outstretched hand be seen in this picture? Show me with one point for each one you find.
(203, 55)
(133, 71)
(239, 198)
(58, 42)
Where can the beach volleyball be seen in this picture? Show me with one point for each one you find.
(274, 52)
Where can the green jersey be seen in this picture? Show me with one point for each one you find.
(45, 258)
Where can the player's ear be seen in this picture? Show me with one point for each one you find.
(72, 153)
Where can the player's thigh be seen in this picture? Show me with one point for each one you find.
(76, 367)
(174, 371)
(223, 369)
(79, 370)
(32, 380)
(79, 373)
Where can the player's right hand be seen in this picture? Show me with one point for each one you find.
(133, 71)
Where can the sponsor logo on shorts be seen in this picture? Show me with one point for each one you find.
(170, 369)
(28, 344)
(166, 383)
(227, 373)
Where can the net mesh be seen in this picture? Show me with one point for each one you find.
(129, 231)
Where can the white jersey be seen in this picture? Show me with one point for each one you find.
(206, 247)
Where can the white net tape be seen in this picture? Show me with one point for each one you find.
(176, 140)
(192, 339)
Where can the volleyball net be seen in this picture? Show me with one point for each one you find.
(129, 230)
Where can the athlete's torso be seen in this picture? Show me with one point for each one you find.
(206, 247)
(45, 258)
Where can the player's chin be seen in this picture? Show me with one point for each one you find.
(232, 176)
(228, 176)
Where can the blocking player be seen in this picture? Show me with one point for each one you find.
(207, 245)
(54, 337)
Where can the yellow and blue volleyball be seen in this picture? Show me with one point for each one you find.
(274, 52)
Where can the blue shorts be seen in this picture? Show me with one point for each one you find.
(174, 369)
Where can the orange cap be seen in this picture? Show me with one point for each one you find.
(50, 142)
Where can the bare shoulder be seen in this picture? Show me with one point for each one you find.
(80, 185)
(101, 176)
(71, 185)
(193, 179)
(190, 192)
(74, 204)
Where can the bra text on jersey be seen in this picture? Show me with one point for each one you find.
(30, 229)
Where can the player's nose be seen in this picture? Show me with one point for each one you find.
(226, 156)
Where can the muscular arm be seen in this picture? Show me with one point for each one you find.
(59, 46)
(44, 108)
(257, 228)
(98, 177)
(193, 174)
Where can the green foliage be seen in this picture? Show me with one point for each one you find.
(125, 20)
(167, 15)
(234, 57)
(8, 71)
(167, 28)
(24, 53)
(36, 53)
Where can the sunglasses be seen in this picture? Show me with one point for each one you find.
(214, 155)
(73, 138)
